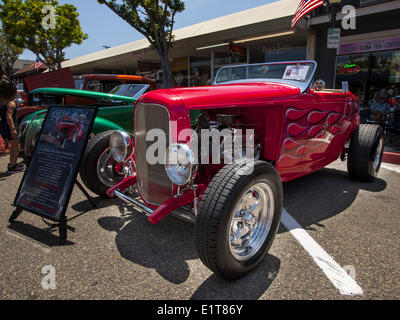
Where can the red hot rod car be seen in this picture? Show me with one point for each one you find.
(68, 129)
(236, 206)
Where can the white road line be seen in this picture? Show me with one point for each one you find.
(46, 250)
(390, 167)
(335, 273)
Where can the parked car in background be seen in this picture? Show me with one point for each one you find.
(107, 82)
(21, 98)
(236, 201)
(61, 78)
(99, 171)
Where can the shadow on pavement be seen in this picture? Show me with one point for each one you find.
(40, 235)
(165, 247)
(5, 175)
(251, 287)
(324, 194)
(85, 206)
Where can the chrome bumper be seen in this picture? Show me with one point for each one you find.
(134, 202)
(181, 213)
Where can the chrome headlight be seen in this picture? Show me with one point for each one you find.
(180, 164)
(121, 146)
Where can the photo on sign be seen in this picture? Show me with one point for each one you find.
(66, 129)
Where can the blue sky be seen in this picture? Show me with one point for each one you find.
(106, 29)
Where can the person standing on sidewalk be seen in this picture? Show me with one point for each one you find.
(8, 123)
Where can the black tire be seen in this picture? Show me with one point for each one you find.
(88, 168)
(213, 226)
(364, 159)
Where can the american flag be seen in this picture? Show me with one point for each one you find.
(305, 7)
(38, 64)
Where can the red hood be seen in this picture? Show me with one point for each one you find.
(232, 95)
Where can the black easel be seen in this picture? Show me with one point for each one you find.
(62, 224)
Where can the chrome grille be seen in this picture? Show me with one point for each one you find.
(153, 183)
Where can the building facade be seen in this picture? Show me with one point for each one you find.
(256, 35)
(368, 57)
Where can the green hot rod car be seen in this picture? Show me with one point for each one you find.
(98, 171)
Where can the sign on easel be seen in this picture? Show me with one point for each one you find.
(47, 184)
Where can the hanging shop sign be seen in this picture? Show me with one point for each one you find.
(333, 38)
(370, 46)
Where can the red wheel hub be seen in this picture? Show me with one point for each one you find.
(119, 168)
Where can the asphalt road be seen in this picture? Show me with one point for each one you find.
(116, 254)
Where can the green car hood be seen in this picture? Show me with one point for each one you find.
(104, 120)
(84, 93)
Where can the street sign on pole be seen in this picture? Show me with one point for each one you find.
(333, 38)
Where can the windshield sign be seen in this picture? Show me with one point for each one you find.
(298, 73)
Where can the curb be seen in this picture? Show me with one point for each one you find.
(391, 157)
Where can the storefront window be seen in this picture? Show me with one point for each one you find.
(200, 71)
(222, 58)
(179, 72)
(353, 69)
(276, 53)
(290, 54)
(368, 73)
(231, 55)
(394, 77)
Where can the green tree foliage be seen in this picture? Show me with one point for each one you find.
(27, 26)
(155, 20)
(9, 54)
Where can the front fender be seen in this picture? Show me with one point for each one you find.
(102, 124)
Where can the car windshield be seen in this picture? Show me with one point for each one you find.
(130, 90)
(298, 73)
(78, 83)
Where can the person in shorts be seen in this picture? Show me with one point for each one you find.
(9, 122)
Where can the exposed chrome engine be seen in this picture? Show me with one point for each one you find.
(236, 140)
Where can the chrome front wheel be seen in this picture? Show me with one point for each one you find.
(108, 170)
(98, 169)
(251, 221)
(238, 218)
